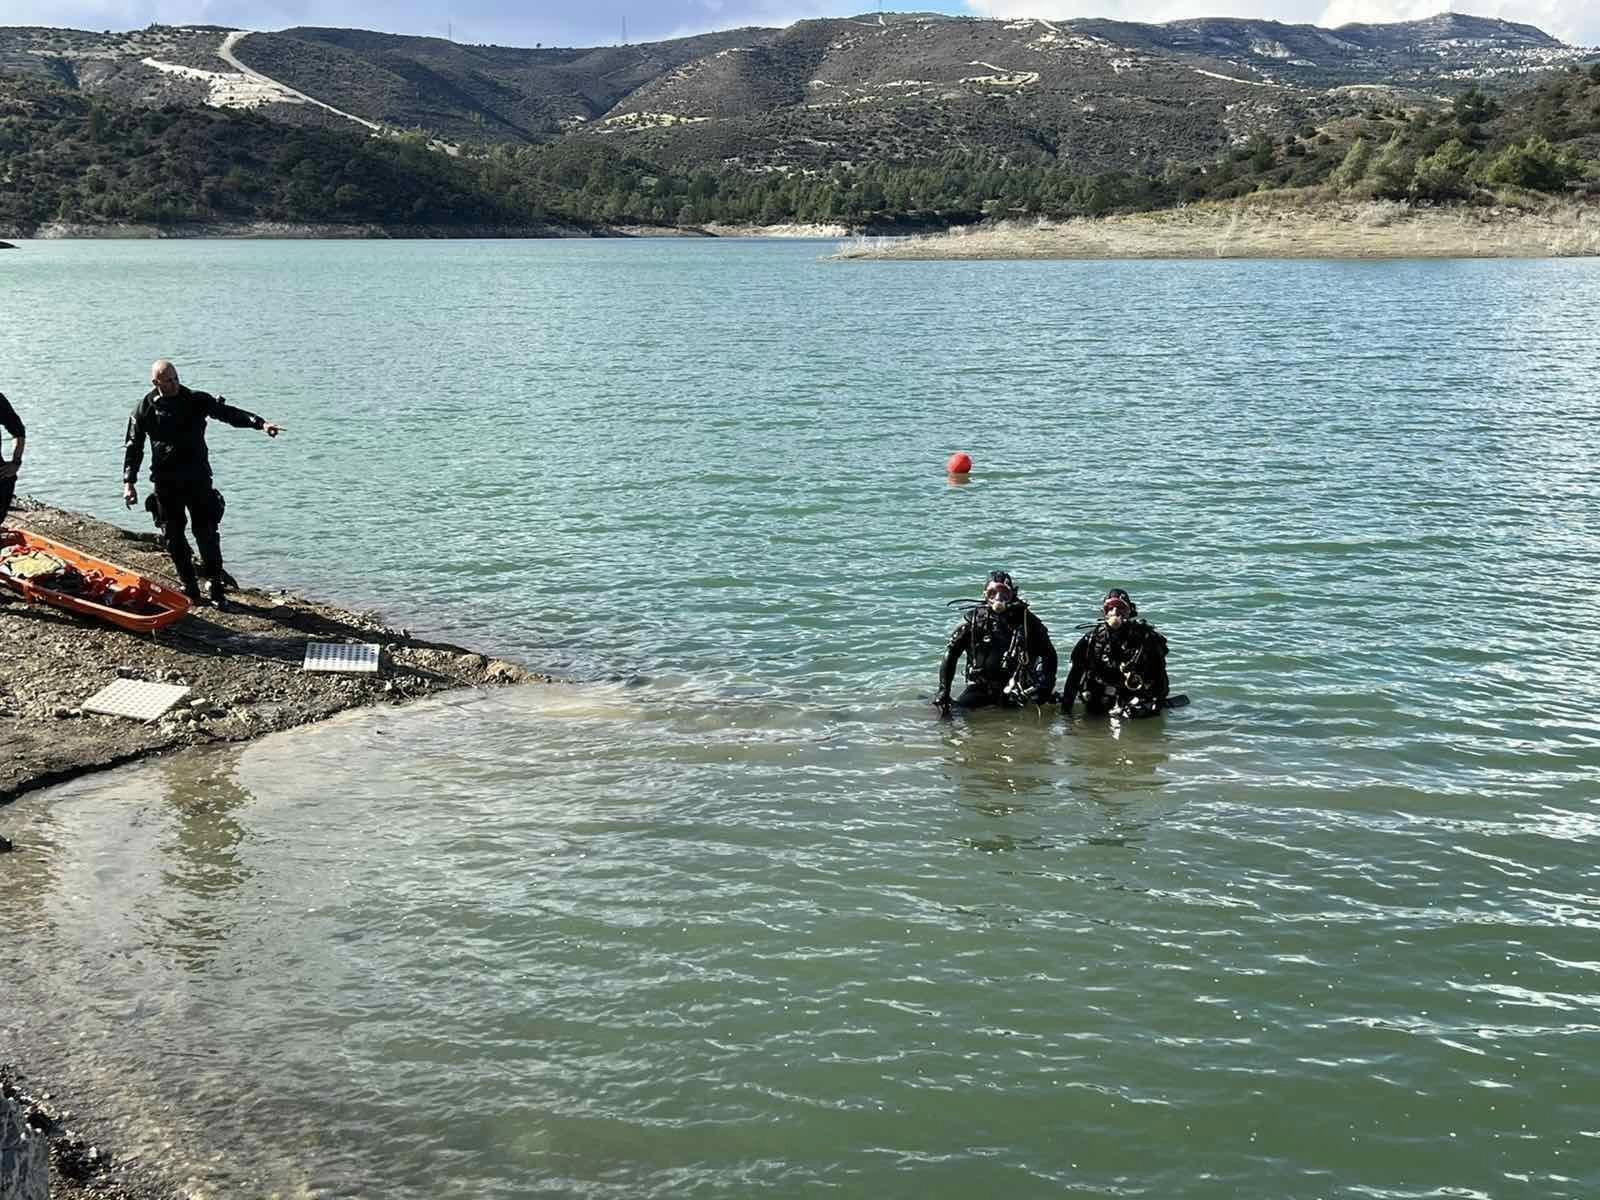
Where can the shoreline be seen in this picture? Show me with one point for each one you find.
(1267, 225)
(244, 665)
(68, 231)
(63, 231)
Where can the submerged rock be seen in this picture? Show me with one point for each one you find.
(24, 1156)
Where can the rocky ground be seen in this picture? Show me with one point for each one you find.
(78, 1168)
(243, 662)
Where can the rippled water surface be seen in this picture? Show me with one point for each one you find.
(731, 913)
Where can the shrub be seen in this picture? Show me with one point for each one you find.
(1474, 107)
(1536, 165)
(1390, 174)
(1445, 174)
(1354, 167)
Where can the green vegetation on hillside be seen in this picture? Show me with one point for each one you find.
(66, 157)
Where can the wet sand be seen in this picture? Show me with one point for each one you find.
(243, 662)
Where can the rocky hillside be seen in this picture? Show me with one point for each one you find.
(1102, 95)
(915, 122)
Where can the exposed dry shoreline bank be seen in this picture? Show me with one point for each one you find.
(269, 230)
(1269, 225)
(244, 664)
(85, 231)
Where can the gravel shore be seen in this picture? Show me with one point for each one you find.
(243, 662)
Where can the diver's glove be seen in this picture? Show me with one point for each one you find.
(941, 701)
(1137, 706)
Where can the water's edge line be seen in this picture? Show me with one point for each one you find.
(227, 660)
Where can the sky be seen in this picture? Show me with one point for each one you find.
(601, 22)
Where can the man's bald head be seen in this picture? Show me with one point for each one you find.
(164, 377)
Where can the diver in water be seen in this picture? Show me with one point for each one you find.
(1010, 658)
(1120, 665)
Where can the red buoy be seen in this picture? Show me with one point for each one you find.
(960, 463)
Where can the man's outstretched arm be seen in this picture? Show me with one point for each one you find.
(220, 410)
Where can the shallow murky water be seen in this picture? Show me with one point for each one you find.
(733, 914)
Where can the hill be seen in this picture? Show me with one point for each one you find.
(67, 157)
(915, 122)
(1104, 95)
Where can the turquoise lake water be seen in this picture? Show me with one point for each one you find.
(732, 913)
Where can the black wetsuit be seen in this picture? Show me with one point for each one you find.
(12, 424)
(180, 472)
(1124, 669)
(1010, 658)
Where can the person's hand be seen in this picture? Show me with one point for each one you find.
(272, 430)
(129, 496)
(942, 703)
(8, 470)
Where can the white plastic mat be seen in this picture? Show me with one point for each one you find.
(349, 658)
(135, 698)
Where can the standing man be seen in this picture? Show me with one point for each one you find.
(12, 424)
(174, 420)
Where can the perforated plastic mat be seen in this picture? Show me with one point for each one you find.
(135, 698)
(355, 658)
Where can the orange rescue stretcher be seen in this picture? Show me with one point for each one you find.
(48, 572)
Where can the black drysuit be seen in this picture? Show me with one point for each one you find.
(180, 471)
(1010, 658)
(12, 424)
(1122, 668)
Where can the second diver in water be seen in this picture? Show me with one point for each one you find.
(1010, 658)
(1120, 665)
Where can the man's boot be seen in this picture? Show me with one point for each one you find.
(215, 590)
(186, 577)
